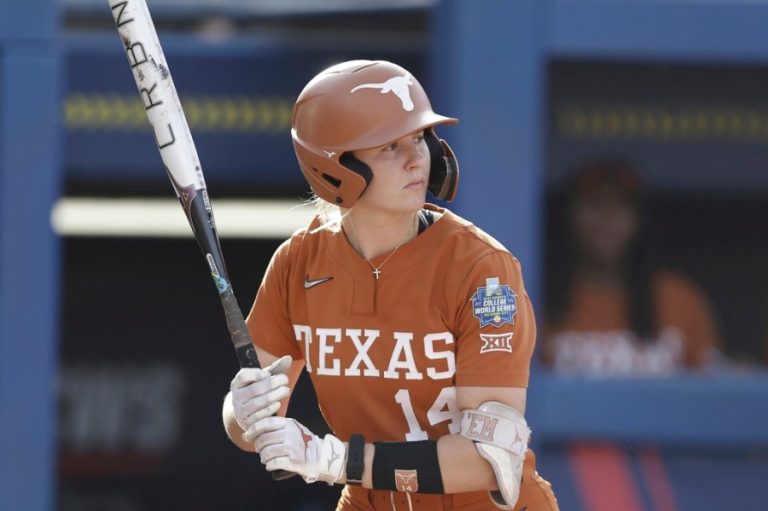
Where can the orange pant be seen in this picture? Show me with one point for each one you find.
(535, 495)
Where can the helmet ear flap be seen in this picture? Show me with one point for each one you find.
(349, 161)
(330, 179)
(444, 168)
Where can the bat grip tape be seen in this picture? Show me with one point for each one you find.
(238, 330)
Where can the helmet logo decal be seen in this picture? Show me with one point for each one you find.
(329, 154)
(397, 85)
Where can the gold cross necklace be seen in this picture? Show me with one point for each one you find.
(377, 269)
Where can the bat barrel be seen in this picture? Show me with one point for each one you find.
(177, 150)
(158, 93)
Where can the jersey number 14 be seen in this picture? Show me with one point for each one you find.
(442, 410)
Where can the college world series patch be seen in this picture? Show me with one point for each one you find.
(495, 304)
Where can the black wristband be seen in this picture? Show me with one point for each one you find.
(355, 459)
(407, 466)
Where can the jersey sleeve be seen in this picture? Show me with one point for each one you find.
(269, 321)
(496, 329)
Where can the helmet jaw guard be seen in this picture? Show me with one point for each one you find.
(443, 169)
(354, 105)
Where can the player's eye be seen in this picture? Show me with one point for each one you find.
(391, 147)
(419, 137)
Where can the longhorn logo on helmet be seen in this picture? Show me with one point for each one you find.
(398, 85)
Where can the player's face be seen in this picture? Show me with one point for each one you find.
(605, 223)
(400, 175)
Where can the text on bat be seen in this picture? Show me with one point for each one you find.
(146, 97)
(165, 144)
(118, 21)
(133, 57)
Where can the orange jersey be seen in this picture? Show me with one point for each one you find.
(385, 356)
(594, 335)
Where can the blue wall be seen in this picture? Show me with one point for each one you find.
(29, 177)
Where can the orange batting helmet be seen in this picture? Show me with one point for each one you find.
(361, 104)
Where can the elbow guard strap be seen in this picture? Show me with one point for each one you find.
(501, 437)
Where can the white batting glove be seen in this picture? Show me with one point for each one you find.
(256, 392)
(285, 444)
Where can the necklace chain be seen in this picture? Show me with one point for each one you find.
(377, 269)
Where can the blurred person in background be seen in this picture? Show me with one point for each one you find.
(413, 324)
(609, 310)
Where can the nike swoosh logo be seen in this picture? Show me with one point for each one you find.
(312, 283)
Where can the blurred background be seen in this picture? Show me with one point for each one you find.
(617, 148)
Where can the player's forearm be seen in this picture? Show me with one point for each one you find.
(234, 432)
(367, 466)
(462, 467)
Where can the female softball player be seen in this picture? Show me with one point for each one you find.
(413, 324)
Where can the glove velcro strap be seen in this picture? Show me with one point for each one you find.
(496, 424)
(333, 457)
(330, 462)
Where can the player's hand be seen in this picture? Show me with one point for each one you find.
(286, 444)
(256, 392)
